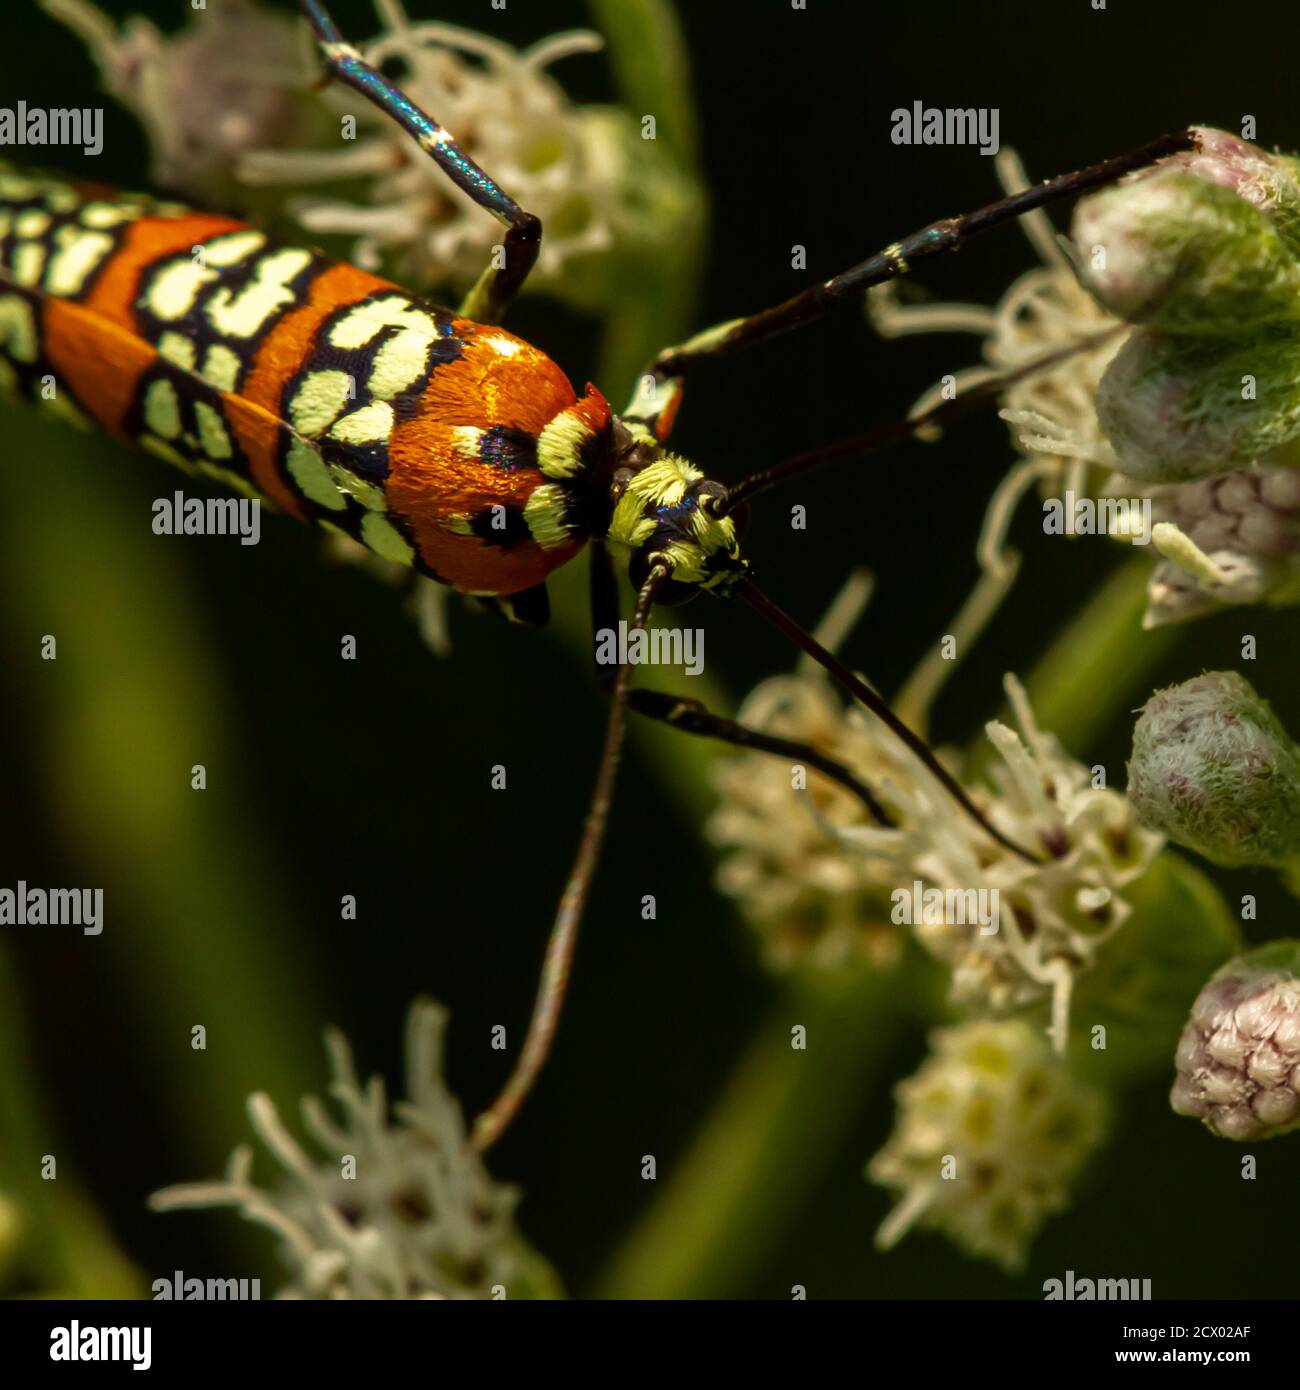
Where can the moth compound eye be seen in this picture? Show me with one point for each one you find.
(710, 496)
(619, 482)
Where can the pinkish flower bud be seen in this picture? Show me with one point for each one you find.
(1266, 181)
(1239, 1057)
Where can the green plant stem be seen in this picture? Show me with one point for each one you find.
(658, 286)
(764, 1147)
(652, 69)
(1101, 664)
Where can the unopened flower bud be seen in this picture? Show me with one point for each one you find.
(1177, 408)
(1269, 182)
(1253, 511)
(1239, 1058)
(1186, 256)
(1214, 770)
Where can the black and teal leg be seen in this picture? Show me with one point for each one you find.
(949, 234)
(499, 283)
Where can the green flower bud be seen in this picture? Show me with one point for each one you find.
(1239, 1058)
(1204, 243)
(1269, 182)
(991, 1133)
(1204, 252)
(1185, 256)
(1177, 408)
(1214, 770)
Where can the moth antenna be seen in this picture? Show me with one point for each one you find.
(859, 689)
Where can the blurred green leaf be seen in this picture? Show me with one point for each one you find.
(197, 925)
(52, 1240)
(1147, 978)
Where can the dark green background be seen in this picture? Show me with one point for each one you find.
(371, 777)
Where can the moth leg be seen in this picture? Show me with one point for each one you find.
(506, 273)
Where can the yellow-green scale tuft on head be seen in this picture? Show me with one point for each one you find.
(660, 511)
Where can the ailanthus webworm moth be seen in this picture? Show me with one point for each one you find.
(434, 438)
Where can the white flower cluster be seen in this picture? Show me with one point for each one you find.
(817, 877)
(563, 162)
(991, 1133)
(223, 125)
(201, 101)
(399, 1207)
